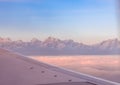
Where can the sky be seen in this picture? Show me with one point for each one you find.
(87, 21)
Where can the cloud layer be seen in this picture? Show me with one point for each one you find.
(54, 46)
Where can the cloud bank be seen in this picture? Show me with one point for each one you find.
(54, 46)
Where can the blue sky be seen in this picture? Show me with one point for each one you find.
(87, 21)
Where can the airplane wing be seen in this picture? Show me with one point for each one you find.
(15, 69)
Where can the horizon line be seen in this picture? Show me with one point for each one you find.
(42, 40)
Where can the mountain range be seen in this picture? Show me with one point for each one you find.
(54, 46)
